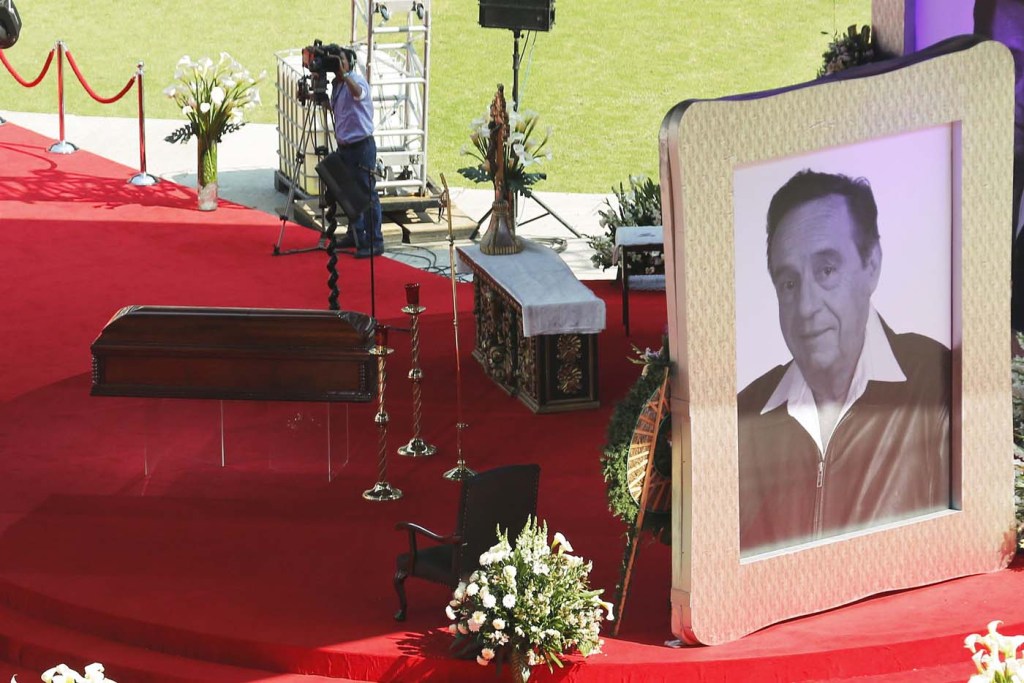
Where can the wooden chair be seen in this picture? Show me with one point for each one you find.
(501, 497)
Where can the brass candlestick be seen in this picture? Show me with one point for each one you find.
(382, 490)
(417, 447)
(460, 472)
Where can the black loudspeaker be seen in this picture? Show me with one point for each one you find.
(351, 195)
(10, 24)
(526, 15)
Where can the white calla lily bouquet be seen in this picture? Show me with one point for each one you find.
(995, 656)
(523, 151)
(213, 96)
(62, 673)
(528, 605)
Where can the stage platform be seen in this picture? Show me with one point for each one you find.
(124, 540)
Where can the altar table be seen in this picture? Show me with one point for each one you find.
(536, 327)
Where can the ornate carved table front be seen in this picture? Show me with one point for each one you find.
(536, 328)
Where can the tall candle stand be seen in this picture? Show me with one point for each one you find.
(382, 490)
(417, 447)
(460, 472)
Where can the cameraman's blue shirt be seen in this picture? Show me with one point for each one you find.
(353, 118)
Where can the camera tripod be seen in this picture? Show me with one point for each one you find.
(316, 105)
(314, 102)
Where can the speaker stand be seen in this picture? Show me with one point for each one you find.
(527, 193)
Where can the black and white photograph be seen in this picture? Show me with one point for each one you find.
(843, 336)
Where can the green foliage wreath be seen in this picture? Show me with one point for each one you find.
(620, 432)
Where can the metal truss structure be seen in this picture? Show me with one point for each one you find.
(392, 39)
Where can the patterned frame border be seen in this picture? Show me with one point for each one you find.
(715, 597)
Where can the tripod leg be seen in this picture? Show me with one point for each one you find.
(550, 212)
(479, 223)
(306, 138)
(289, 207)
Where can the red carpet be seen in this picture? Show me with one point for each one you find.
(265, 569)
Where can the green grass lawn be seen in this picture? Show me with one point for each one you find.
(604, 76)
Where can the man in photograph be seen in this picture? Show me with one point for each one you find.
(854, 431)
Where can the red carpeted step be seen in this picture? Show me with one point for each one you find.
(940, 673)
(264, 564)
(29, 646)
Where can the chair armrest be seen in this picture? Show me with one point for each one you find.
(423, 531)
(413, 529)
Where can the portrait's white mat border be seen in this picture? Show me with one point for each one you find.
(716, 597)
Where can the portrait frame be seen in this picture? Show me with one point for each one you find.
(966, 84)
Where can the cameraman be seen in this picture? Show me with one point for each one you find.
(353, 127)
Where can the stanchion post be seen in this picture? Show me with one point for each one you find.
(382, 490)
(461, 471)
(62, 146)
(417, 447)
(142, 178)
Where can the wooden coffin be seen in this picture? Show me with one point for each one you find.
(235, 353)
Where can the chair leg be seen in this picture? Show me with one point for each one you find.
(625, 290)
(399, 582)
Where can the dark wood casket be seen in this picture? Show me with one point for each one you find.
(236, 353)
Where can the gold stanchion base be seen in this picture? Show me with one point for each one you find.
(459, 473)
(382, 491)
(417, 448)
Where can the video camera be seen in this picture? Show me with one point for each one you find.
(321, 59)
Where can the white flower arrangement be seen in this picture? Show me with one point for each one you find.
(62, 673)
(531, 604)
(995, 656)
(640, 204)
(212, 96)
(523, 153)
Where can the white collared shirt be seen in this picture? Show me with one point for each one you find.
(876, 363)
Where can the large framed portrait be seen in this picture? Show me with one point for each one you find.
(838, 289)
(844, 302)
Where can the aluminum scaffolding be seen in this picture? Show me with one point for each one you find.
(392, 43)
(392, 39)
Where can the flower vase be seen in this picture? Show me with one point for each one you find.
(207, 175)
(518, 666)
(500, 237)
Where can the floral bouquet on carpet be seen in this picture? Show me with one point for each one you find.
(995, 656)
(528, 605)
(213, 97)
(62, 673)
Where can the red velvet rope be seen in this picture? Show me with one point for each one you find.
(92, 93)
(22, 81)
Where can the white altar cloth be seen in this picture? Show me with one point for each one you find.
(637, 236)
(553, 301)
